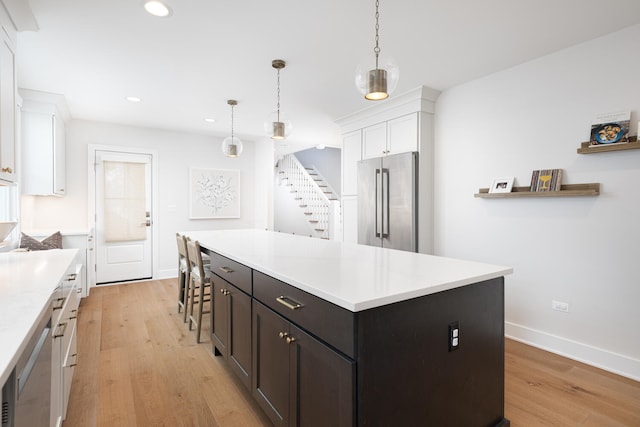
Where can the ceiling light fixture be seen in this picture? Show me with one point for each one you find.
(276, 125)
(209, 120)
(377, 83)
(157, 8)
(133, 99)
(232, 146)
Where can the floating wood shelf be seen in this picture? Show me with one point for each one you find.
(567, 190)
(633, 144)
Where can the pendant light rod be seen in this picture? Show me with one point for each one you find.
(278, 64)
(232, 103)
(376, 49)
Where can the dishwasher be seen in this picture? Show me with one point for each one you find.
(32, 404)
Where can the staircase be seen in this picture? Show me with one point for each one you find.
(316, 199)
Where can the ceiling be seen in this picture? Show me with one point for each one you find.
(185, 67)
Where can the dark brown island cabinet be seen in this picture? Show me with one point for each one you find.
(432, 360)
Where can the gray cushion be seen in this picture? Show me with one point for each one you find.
(52, 242)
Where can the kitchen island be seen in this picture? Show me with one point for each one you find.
(326, 333)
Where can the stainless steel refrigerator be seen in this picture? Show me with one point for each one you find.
(388, 201)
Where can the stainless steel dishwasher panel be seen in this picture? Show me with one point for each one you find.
(33, 379)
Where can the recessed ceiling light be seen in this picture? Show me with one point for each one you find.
(157, 8)
(133, 99)
(209, 120)
(320, 146)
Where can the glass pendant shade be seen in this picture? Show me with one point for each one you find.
(232, 146)
(277, 126)
(377, 83)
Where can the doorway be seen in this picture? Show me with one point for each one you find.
(123, 188)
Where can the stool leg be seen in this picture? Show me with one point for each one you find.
(187, 289)
(192, 302)
(181, 290)
(200, 308)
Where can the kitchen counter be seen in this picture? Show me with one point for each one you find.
(27, 280)
(354, 277)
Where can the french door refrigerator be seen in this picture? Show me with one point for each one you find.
(388, 202)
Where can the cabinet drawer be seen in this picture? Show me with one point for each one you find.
(327, 321)
(231, 271)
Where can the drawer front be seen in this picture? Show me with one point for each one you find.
(327, 321)
(231, 271)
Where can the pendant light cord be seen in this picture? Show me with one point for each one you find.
(278, 106)
(376, 49)
(232, 140)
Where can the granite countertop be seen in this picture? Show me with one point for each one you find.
(355, 277)
(27, 281)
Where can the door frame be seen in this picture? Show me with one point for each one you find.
(91, 196)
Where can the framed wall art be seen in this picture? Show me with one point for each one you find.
(501, 185)
(214, 193)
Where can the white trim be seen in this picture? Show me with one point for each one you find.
(91, 196)
(600, 358)
(169, 273)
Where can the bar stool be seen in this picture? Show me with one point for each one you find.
(199, 286)
(183, 274)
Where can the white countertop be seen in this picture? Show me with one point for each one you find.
(355, 277)
(27, 280)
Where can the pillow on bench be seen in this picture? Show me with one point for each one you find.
(52, 242)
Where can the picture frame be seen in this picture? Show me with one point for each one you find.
(501, 185)
(214, 193)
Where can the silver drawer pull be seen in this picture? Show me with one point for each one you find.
(225, 269)
(289, 303)
(57, 305)
(72, 277)
(57, 334)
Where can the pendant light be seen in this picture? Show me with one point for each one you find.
(232, 146)
(276, 125)
(377, 82)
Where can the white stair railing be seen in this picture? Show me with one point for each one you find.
(321, 212)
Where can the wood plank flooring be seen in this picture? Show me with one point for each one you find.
(139, 366)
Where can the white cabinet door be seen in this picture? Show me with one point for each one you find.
(7, 110)
(350, 219)
(374, 141)
(59, 153)
(403, 134)
(351, 155)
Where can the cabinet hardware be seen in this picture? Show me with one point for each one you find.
(62, 326)
(7, 170)
(224, 292)
(76, 362)
(289, 302)
(290, 340)
(72, 277)
(74, 315)
(225, 269)
(60, 301)
(283, 335)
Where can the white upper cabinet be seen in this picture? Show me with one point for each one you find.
(43, 145)
(399, 135)
(7, 101)
(351, 155)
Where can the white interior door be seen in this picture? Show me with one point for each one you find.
(123, 216)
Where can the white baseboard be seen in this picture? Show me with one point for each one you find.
(167, 274)
(603, 359)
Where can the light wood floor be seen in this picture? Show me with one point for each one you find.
(139, 365)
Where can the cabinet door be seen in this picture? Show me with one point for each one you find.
(403, 134)
(59, 153)
(271, 364)
(322, 384)
(374, 141)
(239, 344)
(351, 155)
(220, 315)
(7, 110)
(350, 219)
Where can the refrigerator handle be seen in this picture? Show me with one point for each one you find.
(378, 195)
(385, 202)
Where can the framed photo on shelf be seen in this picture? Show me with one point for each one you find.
(501, 185)
(610, 128)
(546, 180)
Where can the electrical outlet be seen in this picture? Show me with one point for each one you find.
(454, 336)
(560, 306)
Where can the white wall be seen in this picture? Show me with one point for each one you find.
(583, 251)
(177, 152)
